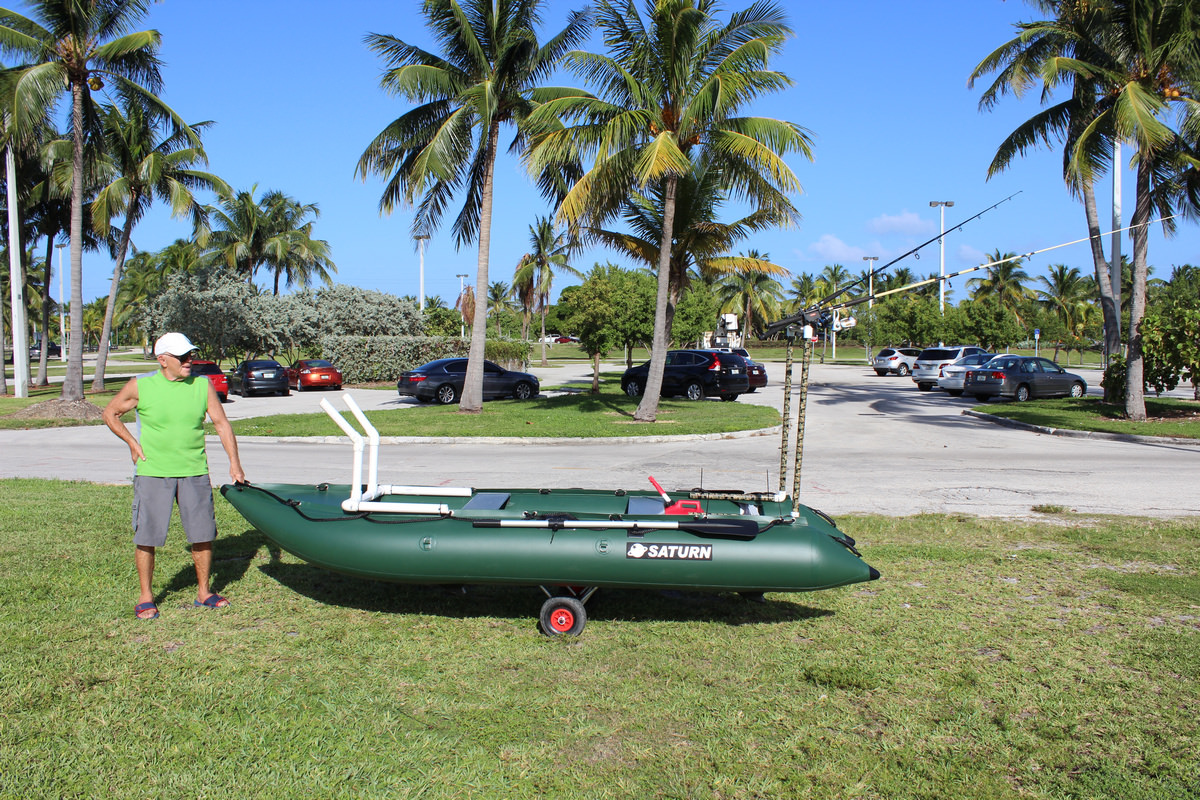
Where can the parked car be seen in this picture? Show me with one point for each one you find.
(313, 373)
(566, 339)
(929, 363)
(210, 370)
(259, 375)
(694, 374)
(1022, 378)
(897, 360)
(951, 377)
(442, 380)
(757, 372)
(53, 350)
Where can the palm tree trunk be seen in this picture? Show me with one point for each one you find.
(1135, 392)
(72, 390)
(543, 334)
(43, 378)
(1108, 303)
(110, 309)
(647, 410)
(472, 396)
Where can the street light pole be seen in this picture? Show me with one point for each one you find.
(462, 318)
(62, 325)
(421, 239)
(870, 294)
(944, 204)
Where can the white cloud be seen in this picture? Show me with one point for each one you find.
(831, 249)
(970, 256)
(905, 222)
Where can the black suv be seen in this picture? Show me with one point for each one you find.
(694, 374)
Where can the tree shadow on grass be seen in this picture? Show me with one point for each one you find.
(525, 602)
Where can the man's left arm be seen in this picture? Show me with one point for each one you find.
(224, 430)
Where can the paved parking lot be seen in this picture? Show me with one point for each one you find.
(872, 444)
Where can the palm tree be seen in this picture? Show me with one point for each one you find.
(803, 291)
(1005, 281)
(274, 232)
(1130, 63)
(78, 46)
(753, 295)
(498, 301)
(487, 78)
(145, 168)
(1064, 287)
(672, 86)
(534, 277)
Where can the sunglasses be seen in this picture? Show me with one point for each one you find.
(182, 359)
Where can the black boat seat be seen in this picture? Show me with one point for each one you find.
(487, 501)
(645, 506)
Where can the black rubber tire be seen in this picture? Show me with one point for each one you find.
(954, 392)
(1078, 389)
(562, 616)
(981, 398)
(633, 388)
(693, 391)
(446, 394)
(925, 387)
(523, 391)
(1022, 394)
(902, 370)
(224, 398)
(729, 398)
(881, 373)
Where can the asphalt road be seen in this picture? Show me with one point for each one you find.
(871, 445)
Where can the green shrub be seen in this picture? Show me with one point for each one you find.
(366, 359)
(1114, 380)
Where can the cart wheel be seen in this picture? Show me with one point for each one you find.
(563, 616)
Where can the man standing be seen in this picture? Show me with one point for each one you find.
(170, 464)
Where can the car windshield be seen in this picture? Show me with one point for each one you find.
(885, 352)
(1003, 363)
(262, 365)
(317, 362)
(205, 369)
(937, 354)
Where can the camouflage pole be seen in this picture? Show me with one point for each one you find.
(787, 412)
(805, 361)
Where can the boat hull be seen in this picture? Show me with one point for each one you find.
(475, 545)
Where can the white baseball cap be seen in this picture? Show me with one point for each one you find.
(174, 343)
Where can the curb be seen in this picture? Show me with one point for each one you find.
(1131, 438)
(518, 440)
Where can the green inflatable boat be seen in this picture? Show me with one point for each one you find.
(568, 541)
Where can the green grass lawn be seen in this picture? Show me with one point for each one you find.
(1166, 417)
(576, 415)
(993, 660)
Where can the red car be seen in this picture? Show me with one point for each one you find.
(211, 371)
(314, 373)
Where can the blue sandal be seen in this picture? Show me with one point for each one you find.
(214, 600)
(140, 607)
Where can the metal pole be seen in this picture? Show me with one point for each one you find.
(421, 239)
(62, 323)
(942, 245)
(20, 334)
(870, 294)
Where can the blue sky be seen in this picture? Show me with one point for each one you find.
(881, 86)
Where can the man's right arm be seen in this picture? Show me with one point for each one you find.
(125, 401)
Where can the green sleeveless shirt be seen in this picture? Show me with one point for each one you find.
(170, 417)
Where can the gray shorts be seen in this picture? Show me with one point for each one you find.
(152, 501)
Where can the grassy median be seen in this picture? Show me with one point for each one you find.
(993, 660)
(1165, 417)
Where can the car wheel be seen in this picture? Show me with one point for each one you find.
(925, 387)
(954, 392)
(446, 394)
(299, 386)
(881, 372)
(633, 388)
(752, 390)
(1077, 389)
(523, 391)
(694, 391)
(1022, 393)
(902, 370)
(223, 398)
(981, 398)
(729, 398)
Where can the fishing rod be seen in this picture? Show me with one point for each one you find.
(808, 319)
(938, 278)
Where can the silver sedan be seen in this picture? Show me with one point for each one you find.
(951, 378)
